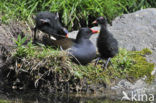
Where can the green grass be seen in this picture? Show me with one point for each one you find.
(131, 65)
(5, 101)
(74, 13)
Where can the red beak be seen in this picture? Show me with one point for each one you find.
(66, 35)
(94, 31)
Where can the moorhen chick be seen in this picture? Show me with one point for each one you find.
(49, 23)
(107, 45)
(83, 50)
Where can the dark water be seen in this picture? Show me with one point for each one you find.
(55, 98)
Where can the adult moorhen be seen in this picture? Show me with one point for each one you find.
(64, 42)
(49, 23)
(83, 50)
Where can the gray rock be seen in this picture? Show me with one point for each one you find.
(136, 30)
(139, 88)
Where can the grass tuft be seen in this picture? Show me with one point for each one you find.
(48, 68)
(74, 13)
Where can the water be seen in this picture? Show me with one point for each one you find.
(53, 98)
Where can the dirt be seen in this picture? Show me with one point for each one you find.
(8, 34)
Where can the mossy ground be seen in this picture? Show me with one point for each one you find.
(131, 65)
(45, 68)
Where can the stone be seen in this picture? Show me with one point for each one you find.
(133, 31)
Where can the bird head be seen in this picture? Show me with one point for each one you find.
(100, 20)
(45, 21)
(85, 32)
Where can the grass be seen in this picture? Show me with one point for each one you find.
(4, 101)
(131, 65)
(73, 13)
(49, 68)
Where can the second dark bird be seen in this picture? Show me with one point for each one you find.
(83, 50)
(64, 43)
(49, 23)
(107, 45)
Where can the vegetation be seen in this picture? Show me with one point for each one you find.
(74, 13)
(4, 101)
(45, 68)
(127, 64)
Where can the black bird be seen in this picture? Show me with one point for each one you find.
(83, 50)
(64, 42)
(49, 23)
(107, 45)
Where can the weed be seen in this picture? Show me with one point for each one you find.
(131, 65)
(74, 13)
(49, 68)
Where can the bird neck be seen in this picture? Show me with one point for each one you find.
(103, 30)
(80, 40)
(104, 26)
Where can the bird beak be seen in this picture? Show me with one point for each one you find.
(45, 21)
(94, 31)
(94, 22)
(65, 31)
(66, 35)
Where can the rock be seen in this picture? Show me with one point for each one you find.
(137, 30)
(134, 31)
(139, 88)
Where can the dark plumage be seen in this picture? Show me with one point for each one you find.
(107, 45)
(83, 49)
(49, 23)
(64, 43)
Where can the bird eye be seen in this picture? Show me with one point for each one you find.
(98, 20)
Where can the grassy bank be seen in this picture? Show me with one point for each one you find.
(52, 70)
(74, 13)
